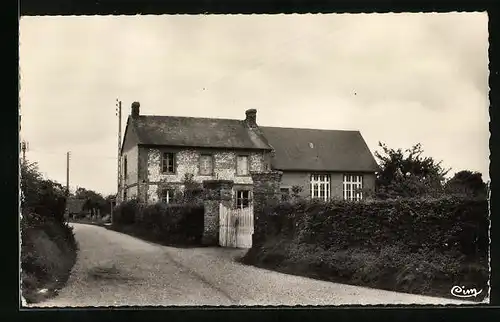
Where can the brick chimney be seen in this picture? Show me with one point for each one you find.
(135, 110)
(251, 119)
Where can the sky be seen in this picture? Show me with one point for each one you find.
(400, 79)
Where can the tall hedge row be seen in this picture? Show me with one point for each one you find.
(449, 223)
(169, 223)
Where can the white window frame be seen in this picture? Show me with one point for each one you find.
(238, 168)
(350, 183)
(238, 197)
(168, 197)
(320, 186)
(211, 162)
(167, 160)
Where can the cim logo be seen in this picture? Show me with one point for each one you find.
(463, 292)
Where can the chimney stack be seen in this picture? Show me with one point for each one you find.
(135, 110)
(251, 118)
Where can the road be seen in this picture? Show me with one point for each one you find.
(114, 269)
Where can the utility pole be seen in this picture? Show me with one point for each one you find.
(119, 113)
(24, 147)
(67, 173)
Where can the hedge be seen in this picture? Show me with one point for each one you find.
(169, 223)
(445, 224)
(422, 246)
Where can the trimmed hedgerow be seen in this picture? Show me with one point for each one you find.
(166, 223)
(445, 224)
(422, 246)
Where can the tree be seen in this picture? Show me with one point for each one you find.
(44, 197)
(467, 183)
(408, 173)
(94, 201)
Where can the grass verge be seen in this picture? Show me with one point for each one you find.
(48, 253)
(425, 273)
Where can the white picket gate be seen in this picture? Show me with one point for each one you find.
(235, 227)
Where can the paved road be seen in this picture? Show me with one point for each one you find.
(116, 269)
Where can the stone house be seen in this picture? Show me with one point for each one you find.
(159, 151)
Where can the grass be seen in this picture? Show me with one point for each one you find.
(425, 273)
(48, 253)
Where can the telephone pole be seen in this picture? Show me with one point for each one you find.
(119, 113)
(24, 147)
(67, 173)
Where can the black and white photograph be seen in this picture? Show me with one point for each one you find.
(254, 160)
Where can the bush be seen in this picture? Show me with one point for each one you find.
(48, 252)
(445, 224)
(168, 223)
(126, 212)
(420, 246)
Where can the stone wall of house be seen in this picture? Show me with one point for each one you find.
(216, 192)
(187, 162)
(266, 187)
(131, 175)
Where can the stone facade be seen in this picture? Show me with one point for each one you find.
(187, 162)
(266, 187)
(216, 192)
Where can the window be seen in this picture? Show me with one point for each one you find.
(242, 198)
(125, 167)
(320, 186)
(285, 194)
(352, 186)
(167, 162)
(242, 165)
(206, 165)
(167, 195)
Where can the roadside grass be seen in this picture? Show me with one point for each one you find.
(424, 273)
(48, 254)
(154, 237)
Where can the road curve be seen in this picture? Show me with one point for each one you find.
(114, 269)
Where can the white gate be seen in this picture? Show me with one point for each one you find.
(235, 227)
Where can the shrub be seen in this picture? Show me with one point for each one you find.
(126, 212)
(411, 245)
(446, 224)
(48, 252)
(169, 223)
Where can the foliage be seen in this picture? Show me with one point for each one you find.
(93, 201)
(445, 224)
(467, 183)
(408, 174)
(391, 267)
(42, 196)
(126, 212)
(193, 190)
(296, 191)
(418, 245)
(48, 245)
(168, 223)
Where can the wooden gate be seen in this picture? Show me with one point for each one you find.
(235, 227)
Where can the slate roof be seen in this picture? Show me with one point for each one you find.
(295, 148)
(196, 132)
(319, 150)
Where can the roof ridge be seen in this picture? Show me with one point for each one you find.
(190, 117)
(305, 128)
